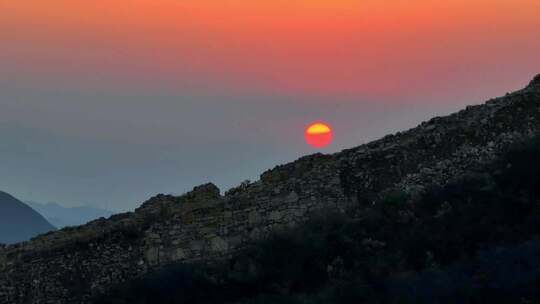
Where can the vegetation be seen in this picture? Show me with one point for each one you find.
(473, 241)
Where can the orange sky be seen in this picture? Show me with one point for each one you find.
(330, 48)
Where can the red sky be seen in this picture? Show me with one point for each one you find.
(329, 48)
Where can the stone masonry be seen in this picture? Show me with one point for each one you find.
(73, 264)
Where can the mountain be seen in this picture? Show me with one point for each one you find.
(19, 222)
(62, 217)
(452, 203)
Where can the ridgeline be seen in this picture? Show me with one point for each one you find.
(76, 265)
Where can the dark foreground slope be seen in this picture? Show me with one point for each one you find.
(18, 222)
(474, 240)
(73, 265)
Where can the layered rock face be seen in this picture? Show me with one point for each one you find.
(71, 265)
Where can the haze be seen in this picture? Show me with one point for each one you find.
(110, 102)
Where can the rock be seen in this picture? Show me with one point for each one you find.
(254, 218)
(291, 198)
(205, 192)
(204, 226)
(152, 255)
(218, 244)
(179, 254)
(275, 216)
(535, 83)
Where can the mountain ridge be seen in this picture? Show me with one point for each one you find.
(61, 216)
(18, 221)
(204, 225)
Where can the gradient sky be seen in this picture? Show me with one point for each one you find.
(109, 102)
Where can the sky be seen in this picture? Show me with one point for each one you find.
(106, 103)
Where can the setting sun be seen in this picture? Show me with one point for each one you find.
(319, 135)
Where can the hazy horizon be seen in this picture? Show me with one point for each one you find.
(109, 103)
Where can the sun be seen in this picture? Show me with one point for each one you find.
(319, 135)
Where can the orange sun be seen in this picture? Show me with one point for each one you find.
(319, 135)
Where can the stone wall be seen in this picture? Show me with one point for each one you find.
(70, 265)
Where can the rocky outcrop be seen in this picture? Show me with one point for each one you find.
(535, 83)
(70, 265)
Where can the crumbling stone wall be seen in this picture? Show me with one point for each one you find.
(70, 265)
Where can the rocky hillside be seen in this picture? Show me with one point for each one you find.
(71, 265)
(19, 222)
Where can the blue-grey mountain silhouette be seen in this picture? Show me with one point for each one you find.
(19, 222)
(61, 216)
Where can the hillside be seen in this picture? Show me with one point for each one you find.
(472, 240)
(74, 264)
(19, 222)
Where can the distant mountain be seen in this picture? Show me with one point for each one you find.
(19, 222)
(62, 217)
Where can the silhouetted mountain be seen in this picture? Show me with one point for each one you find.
(61, 216)
(19, 222)
(447, 212)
